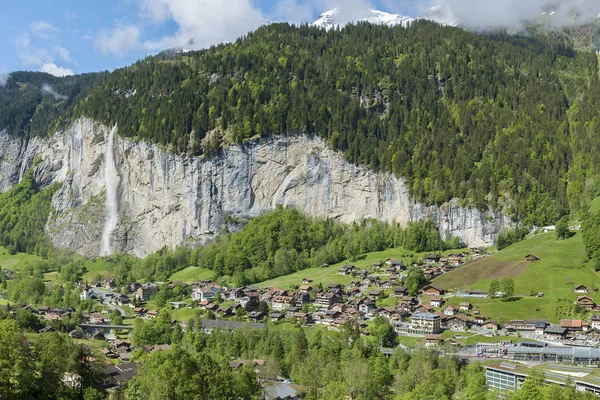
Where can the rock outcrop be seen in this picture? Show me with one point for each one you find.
(158, 199)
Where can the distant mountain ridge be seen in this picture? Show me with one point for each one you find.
(553, 13)
(337, 17)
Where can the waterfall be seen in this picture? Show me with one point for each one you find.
(112, 179)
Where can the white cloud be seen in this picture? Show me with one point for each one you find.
(55, 70)
(119, 41)
(31, 55)
(202, 22)
(3, 78)
(43, 29)
(64, 54)
(510, 13)
(39, 47)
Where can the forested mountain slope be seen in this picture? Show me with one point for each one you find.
(495, 120)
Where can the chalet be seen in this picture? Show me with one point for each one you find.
(586, 302)
(202, 294)
(301, 298)
(235, 294)
(392, 262)
(531, 257)
(593, 334)
(432, 340)
(464, 306)
(117, 375)
(432, 290)
(276, 317)
(324, 265)
(555, 332)
(432, 258)
(302, 317)
(366, 306)
(332, 315)
(429, 273)
(109, 283)
(121, 300)
(339, 307)
(305, 288)
(290, 311)
(282, 302)
(581, 289)
(450, 310)
(521, 325)
(256, 316)
(595, 321)
(399, 291)
(436, 301)
(424, 308)
(490, 326)
(224, 312)
(325, 299)
(480, 320)
(346, 270)
(457, 323)
(152, 314)
(572, 325)
(307, 281)
(333, 286)
(455, 260)
(249, 301)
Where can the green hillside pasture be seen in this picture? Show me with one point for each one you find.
(17, 261)
(329, 275)
(486, 269)
(561, 267)
(97, 268)
(192, 274)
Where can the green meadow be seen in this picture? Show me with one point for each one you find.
(561, 267)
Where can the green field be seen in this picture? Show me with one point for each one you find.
(17, 261)
(561, 267)
(192, 274)
(329, 275)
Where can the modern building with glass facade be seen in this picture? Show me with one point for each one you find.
(507, 376)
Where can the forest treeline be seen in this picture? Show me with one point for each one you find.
(497, 120)
(282, 242)
(326, 365)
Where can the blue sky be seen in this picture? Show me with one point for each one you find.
(76, 36)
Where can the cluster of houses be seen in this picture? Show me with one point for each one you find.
(335, 305)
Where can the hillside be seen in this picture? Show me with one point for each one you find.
(562, 266)
(439, 106)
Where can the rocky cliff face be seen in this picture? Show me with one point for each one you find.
(135, 198)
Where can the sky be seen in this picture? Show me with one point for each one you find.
(63, 37)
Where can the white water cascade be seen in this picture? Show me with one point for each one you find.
(112, 180)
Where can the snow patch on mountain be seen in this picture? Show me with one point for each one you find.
(335, 18)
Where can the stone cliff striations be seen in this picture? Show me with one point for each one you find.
(119, 195)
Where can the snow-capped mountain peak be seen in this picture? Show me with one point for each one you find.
(336, 17)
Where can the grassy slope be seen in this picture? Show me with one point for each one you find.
(15, 261)
(192, 274)
(562, 265)
(329, 275)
